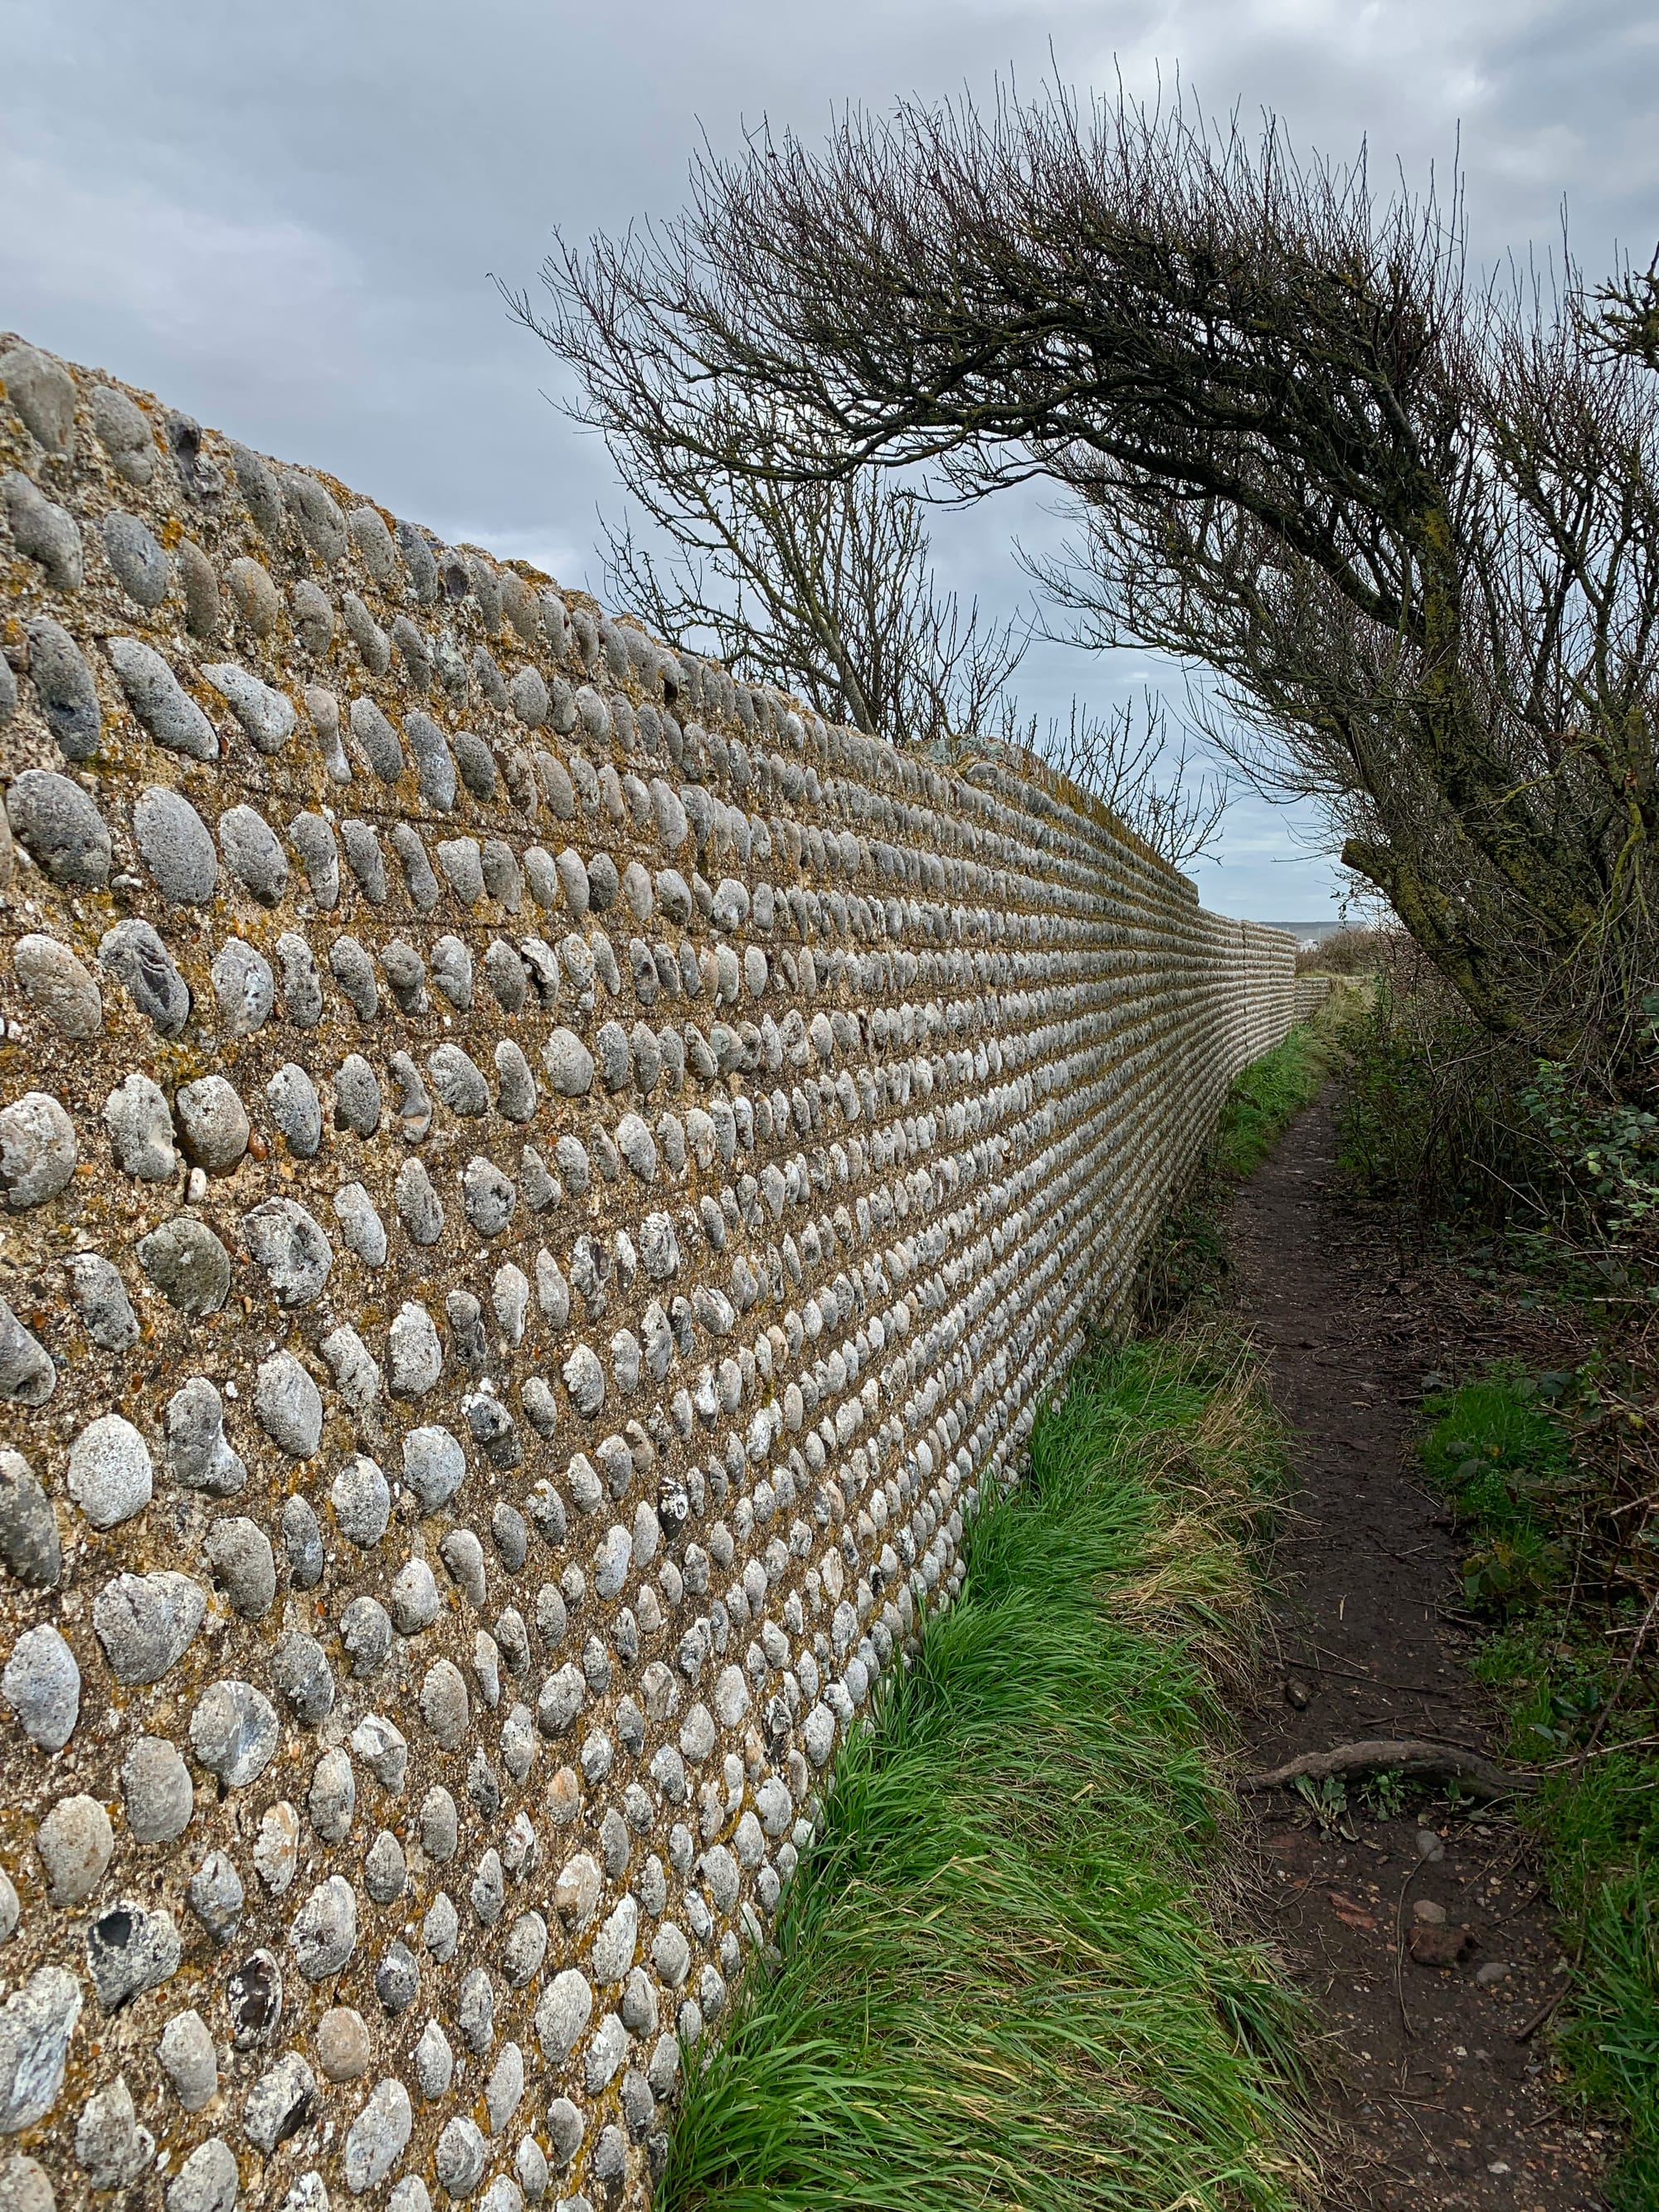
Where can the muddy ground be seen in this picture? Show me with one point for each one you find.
(1423, 1940)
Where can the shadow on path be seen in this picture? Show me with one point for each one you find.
(1442, 2097)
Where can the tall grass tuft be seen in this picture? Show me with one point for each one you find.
(996, 1980)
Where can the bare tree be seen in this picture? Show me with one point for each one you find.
(1408, 523)
(1127, 759)
(825, 585)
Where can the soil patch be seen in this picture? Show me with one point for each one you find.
(1424, 1939)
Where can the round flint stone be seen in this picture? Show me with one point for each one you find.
(188, 1264)
(42, 1686)
(38, 1150)
(29, 1543)
(110, 1475)
(59, 826)
(140, 565)
(213, 1124)
(146, 1623)
(252, 854)
(233, 1732)
(156, 1784)
(76, 1844)
(292, 1250)
(58, 986)
(295, 1108)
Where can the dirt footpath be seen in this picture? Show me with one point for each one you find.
(1422, 1938)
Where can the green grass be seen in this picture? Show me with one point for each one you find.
(1501, 1451)
(997, 1981)
(1187, 1255)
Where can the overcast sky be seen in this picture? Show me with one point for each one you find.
(284, 218)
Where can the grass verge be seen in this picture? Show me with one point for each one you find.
(1575, 1686)
(996, 1981)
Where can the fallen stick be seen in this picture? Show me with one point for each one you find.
(1431, 1762)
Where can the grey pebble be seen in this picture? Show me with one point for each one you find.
(189, 2060)
(415, 1601)
(106, 1310)
(42, 391)
(362, 1229)
(199, 1457)
(362, 1501)
(157, 1785)
(109, 2145)
(316, 516)
(489, 1197)
(515, 1096)
(302, 1543)
(398, 1977)
(385, 1874)
(44, 531)
(74, 1842)
(462, 2155)
(451, 971)
(130, 1950)
(432, 760)
(324, 1931)
(319, 856)
(233, 1732)
(354, 971)
(140, 1128)
(215, 1896)
(303, 989)
(41, 1683)
(38, 1150)
(460, 861)
(208, 2181)
(366, 1633)
(378, 2136)
(288, 1405)
(444, 1704)
(29, 1543)
(140, 565)
(60, 827)
(279, 2102)
(252, 854)
(65, 689)
(333, 1797)
(434, 2063)
(423, 889)
(267, 715)
(356, 1096)
(110, 1475)
(503, 879)
(204, 611)
(419, 1207)
(58, 986)
(119, 423)
(213, 1124)
(243, 986)
(295, 1108)
(313, 618)
(440, 1825)
(362, 849)
(569, 1063)
(295, 1255)
(300, 1669)
(27, 1374)
(475, 763)
(137, 957)
(176, 847)
(405, 972)
(36, 2023)
(377, 740)
(188, 1264)
(146, 1623)
(434, 1466)
(166, 709)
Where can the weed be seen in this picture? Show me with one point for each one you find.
(1501, 1448)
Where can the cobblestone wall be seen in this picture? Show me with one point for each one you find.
(541, 1187)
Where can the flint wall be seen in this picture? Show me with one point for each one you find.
(542, 1187)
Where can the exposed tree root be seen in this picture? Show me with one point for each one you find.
(1429, 1762)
